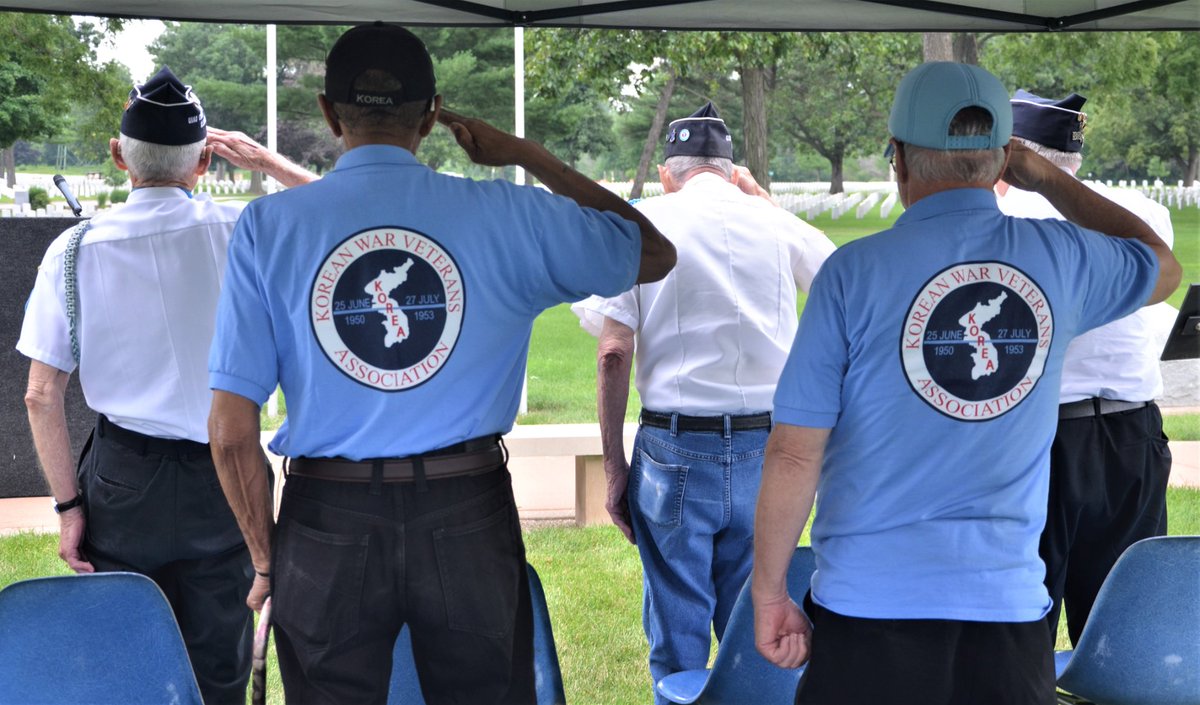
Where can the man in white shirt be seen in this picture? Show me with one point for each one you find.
(1109, 463)
(130, 298)
(711, 339)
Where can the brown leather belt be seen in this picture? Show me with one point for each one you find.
(436, 466)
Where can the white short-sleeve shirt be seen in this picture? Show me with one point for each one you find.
(713, 336)
(1118, 360)
(149, 274)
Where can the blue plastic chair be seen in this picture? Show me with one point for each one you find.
(102, 639)
(1141, 643)
(406, 690)
(740, 674)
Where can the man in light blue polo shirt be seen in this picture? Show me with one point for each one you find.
(393, 305)
(919, 401)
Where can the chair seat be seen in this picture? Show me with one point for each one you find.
(683, 687)
(1061, 659)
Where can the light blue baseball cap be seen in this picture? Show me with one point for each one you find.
(931, 95)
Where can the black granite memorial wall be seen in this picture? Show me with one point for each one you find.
(23, 241)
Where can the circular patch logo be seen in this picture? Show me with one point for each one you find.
(387, 307)
(975, 340)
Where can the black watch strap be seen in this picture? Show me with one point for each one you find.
(60, 507)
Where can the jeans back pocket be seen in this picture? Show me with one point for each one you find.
(660, 490)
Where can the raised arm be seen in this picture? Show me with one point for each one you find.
(614, 360)
(489, 146)
(1086, 208)
(245, 153)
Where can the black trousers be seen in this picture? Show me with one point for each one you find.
(352, 565)
(164, 515)
(925, 662)
(1108, 490)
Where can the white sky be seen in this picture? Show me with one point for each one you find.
(130, 45)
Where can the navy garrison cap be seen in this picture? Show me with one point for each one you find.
(1057, 124)
(164, 111)
(701, 134)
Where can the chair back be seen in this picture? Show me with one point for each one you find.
(740, 674)
(103, 638)
(1141, 643)
(406, 690)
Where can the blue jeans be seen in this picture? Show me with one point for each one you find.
(691, 499)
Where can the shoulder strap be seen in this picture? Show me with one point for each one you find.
(70, 284)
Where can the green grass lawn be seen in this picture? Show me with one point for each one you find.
(592, 579)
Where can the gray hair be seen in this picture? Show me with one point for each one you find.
(681, 168)
(160, 162)
(958, 165)
(370, 118)
(1071, 161)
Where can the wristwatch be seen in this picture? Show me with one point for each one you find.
(60, 507)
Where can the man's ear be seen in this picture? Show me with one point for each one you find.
(331, 118)
(430, 120)
(114, 149)
(205, 160)
(667, 181)
(1004, 167)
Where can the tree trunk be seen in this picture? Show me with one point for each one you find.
(754, 110)
(1192, 173)
(966, 48)
(837, 175)
(939, 46)
(256, 183)
(8, 161)
(220, 169)
(652, 137)
(962, 47)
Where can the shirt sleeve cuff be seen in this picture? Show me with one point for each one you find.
(236, 385)
(59, 363)
(803, 417)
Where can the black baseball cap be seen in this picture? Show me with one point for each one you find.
(380, 47)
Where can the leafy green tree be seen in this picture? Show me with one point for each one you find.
(47, 64)
(835, 91)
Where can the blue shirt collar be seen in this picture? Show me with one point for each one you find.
(375, 154)
(942, 202)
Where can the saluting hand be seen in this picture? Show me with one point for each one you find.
(1026, 169)
(483, 143)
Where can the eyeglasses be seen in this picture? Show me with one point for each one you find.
(890, 153)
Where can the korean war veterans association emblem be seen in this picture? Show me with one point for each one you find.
(975, 340)
(387, 307)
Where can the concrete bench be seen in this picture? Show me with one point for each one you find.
(557, 470)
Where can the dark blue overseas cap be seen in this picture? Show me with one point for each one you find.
(164, 111)
(1057, 124)
(701, 134)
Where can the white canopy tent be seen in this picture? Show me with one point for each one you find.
(764, 15)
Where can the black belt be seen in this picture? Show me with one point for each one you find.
(150, 445)
(467, 458)
(705, 424)
(1096, 406)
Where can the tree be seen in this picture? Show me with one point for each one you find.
(47, 64)
(835, 93)
(1143, 101)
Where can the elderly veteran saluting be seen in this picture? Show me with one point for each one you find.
(130, 299)
(393, 305)
(920, 400)
(1110, 463)
(711, 339)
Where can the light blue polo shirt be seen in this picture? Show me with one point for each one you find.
(933, 351)
(393, 304)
